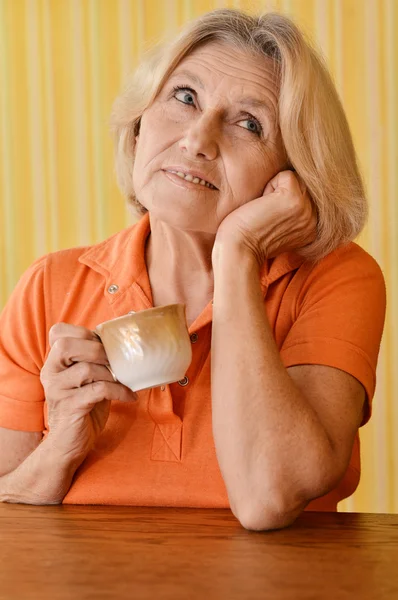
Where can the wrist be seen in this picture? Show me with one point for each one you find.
(44, 477)
(236, 281)
(61, 456)
(230, 253)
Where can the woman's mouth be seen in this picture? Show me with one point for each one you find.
(188, 180)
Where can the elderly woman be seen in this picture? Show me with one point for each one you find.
(233, 145)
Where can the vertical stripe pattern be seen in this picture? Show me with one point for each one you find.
(80, 152)
(61, 63)
(51, 137)
(7, 262)
(35, 134)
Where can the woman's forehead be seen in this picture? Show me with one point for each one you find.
(229, 58)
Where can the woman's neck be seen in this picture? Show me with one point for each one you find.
(179, 267)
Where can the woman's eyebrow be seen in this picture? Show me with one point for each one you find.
(256, 103)
(190, 75)
(248, 101)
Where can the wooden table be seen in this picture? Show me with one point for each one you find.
(93, 552)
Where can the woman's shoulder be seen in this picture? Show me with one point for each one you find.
(72, 258)
(349, 260)
(347, 273)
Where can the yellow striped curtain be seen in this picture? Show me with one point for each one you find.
(62, 62)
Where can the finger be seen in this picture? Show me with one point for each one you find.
(269, 188)
(60, 330)
(66, 351)
(82, 373)
(284, 179)
(92, 393)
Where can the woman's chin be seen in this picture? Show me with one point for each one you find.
(183, 218)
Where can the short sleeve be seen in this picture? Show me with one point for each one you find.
(22, 352)
(339, 318)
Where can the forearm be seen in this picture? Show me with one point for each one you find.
(44, 477)
(271, 447)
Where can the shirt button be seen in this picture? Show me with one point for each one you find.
(162, 388)
(184, 381)
(194, 337)
(112, 289)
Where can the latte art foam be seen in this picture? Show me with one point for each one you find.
(148, 348)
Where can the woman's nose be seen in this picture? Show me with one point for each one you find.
(200, 137)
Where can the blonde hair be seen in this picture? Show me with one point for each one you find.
(313, 125)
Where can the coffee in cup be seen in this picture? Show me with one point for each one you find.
(148, 348)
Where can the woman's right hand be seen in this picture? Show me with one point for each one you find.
(78, 389)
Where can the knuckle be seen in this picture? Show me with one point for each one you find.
(56, 331)
(288, 179)
(61, 345)
(47, 378)
(43, 376)
(289, 175)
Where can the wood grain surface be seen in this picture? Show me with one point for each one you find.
(95, 552)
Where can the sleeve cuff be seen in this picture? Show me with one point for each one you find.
(21, 416)
(335, 353)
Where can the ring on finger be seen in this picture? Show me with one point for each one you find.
(112, 373)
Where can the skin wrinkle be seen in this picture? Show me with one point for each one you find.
(263, 109)
(212, 136)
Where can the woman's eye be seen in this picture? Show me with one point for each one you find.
(184, 93)
(255, 128)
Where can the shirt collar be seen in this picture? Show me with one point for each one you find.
(275, 268)
(109, 258)
(120, 258)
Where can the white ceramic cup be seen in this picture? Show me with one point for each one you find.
(148, 348)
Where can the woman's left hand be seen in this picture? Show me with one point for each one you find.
(281, 220)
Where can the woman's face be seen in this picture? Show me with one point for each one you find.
(224, 127)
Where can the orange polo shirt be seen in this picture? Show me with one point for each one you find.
(160, 451)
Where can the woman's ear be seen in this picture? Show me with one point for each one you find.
(137, 127)
(136, 137)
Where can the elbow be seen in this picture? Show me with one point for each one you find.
(281, 502)
(276, 513)
(267, 520)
